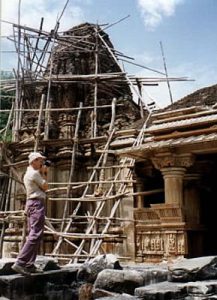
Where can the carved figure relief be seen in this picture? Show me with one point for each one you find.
(181, 244)
(172, 243)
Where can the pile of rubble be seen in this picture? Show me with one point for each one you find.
(104, 278)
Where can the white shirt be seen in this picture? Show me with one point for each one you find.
(33, 182)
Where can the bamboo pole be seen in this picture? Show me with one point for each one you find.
(89, 199)
(2, 237)
(140, 102)
(166, 73)
(127, 78)
(38, 38)
(102, 171)
(72, 168)
(100, 204)
(61, 109)
(9, 121)
(95, 88)
(122, 188)
(38, 130)
(85, 191)
(95, 181)
(48, 102)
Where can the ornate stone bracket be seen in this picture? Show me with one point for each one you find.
(166, 160)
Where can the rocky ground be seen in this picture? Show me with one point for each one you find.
(105, 278)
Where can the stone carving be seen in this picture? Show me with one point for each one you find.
(160, 243)
(173, 160)
(172, 243)
(181, 245)
(149, 243)
(199, 268)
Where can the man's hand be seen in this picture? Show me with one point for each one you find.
(44, 171)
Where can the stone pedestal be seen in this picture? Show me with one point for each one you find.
(163, 232)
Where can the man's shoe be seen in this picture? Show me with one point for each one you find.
(19, 269)
(34, 269)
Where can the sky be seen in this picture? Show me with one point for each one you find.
(186, 28)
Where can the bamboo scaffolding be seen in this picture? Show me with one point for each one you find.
(104, 189)
(89, 199)
(72, 168)
(38, 38)
(94, 126)
(95, 181)
(61, 109)
(122, 188)
(8, 122)
(38, 131)
(166, 73)
(2, 237)
(48, 102)
(126, 76)
(84, 192)
(98, 210)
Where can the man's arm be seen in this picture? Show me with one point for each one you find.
(43, 172)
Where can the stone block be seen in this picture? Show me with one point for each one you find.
(88, 271)
(119, 281)
(162, 291)
(195, 269)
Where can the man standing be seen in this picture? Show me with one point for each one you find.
(35, 182)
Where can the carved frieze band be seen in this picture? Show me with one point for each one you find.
(158, 243)
(173, 160)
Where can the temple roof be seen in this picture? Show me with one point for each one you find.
(189, 125)
(206, 96)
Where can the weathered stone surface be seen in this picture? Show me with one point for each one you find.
(47, 286)
(151, 273)
(88, 272)
(162, 291)
(200, 268)
(209, 297)
(43, 262)
(119, 281)
(202, 288)
(98, 293)
(5, 266)
(120, 297)
(47, 263)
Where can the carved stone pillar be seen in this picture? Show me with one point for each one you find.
(173, 168)
(140, 198)
(173, 184)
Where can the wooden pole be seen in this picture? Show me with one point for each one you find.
(95, 88)
(38, 130)
(72, 168)
(165, 68)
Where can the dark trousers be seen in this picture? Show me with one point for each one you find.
(36, 216)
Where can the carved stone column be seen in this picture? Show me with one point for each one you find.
(173, 184)
(140, 198)
(173, 168)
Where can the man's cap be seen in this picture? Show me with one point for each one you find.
(33, 155)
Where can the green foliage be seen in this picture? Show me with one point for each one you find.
(6, 99)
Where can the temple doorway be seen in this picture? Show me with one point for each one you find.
(208, 196)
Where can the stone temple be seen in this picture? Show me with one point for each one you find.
(124, 178)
